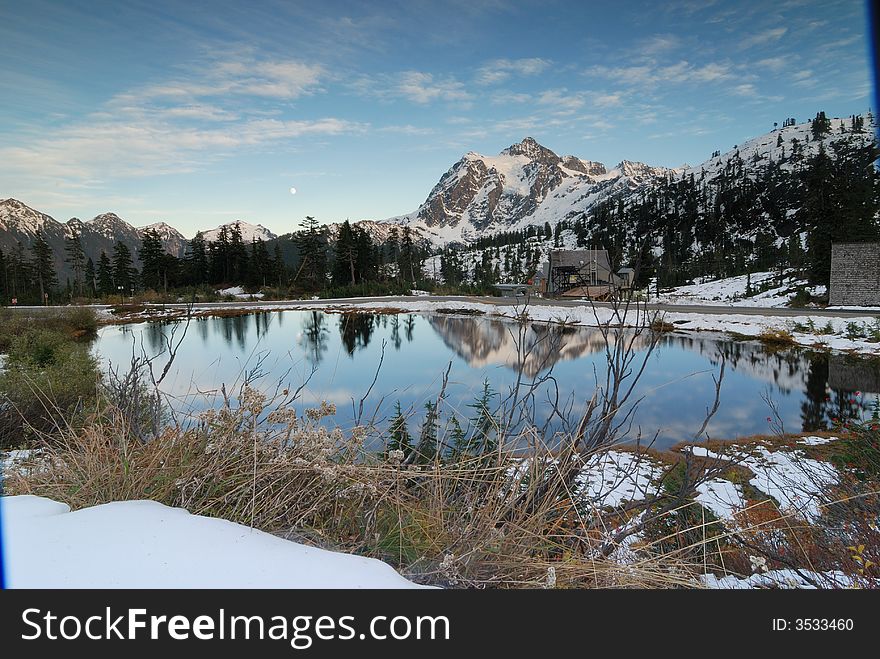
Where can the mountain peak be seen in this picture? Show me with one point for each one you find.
(249, 231)
(530, 148)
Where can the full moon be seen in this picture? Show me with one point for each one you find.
(292, 190)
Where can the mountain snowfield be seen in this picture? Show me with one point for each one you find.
(526, 184)
(249, 232)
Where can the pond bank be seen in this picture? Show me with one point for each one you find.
(847, 333)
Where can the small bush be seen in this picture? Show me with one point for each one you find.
(859, 449)
(72, 323)
(776, 337)
(47, 381)
(660, 325)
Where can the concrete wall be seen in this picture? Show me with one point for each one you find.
(855, 275)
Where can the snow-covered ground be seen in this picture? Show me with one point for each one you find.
(144, 544)
(734, 291)
(239, 292)
(790, 477)
(785, 579)
(612, 477)
(829, 332)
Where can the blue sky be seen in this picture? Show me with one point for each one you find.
(199, 113)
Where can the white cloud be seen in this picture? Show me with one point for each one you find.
(415, 86)
(98, 149)
(747, 89)
(607, 100)
(503, 98)
(501, 69)
(561, 100)
(764, 37)
(774, 63)
(652, 74)
(660, 43)
(423, 88)
(235, 75)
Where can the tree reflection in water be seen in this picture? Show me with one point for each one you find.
(814, 390)
(313, 339)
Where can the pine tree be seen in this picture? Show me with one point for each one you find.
(485, 426)
(460, 445)
(400, 439)
(345, 265)
(197, 266)
(259, 264)
(392, 246)
(313, 254)
(408, 263)
(238, 258)
(426, 450)
(820, 126)
(89, 277)
(42, 266)
(151, 255)
(124, 272)
(76, 257)
(279, 269)
(106, 283)
(4, 279)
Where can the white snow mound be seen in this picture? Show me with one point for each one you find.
(144, 544)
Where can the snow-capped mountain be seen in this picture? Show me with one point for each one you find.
(19, 224)
(528, 184)
(249, 232)
(173, 242)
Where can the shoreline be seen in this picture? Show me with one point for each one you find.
(806, 329)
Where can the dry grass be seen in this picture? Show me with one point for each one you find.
(777, 337)
(449, 524)
(659, 325)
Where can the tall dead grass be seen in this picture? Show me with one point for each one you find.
(455, 524)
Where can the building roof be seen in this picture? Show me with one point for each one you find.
(578, 258)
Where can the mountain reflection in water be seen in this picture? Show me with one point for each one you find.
(339, 355)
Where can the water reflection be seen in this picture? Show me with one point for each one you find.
(314, 336)
(811, 390)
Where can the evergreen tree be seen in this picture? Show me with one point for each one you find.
(427, 448)
(313, 254)
(279, 269)
(76, 257)
(90, 279)
(345, 265)
(4, 279)
(152, 259)
(260, 264)
(124, 272)
(106, 282)
(460, 445)
(197, 266)
(42, 266)
(820, 126)
(485, 426)
(408, 262)
(400, 439)
(238, 258)
(220, 257)
(392, 247)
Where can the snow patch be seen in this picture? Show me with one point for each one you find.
(144, 544)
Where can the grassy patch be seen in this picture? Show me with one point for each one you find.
(776, 337)
(47, 382)
(74, 323)
(660, 325)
